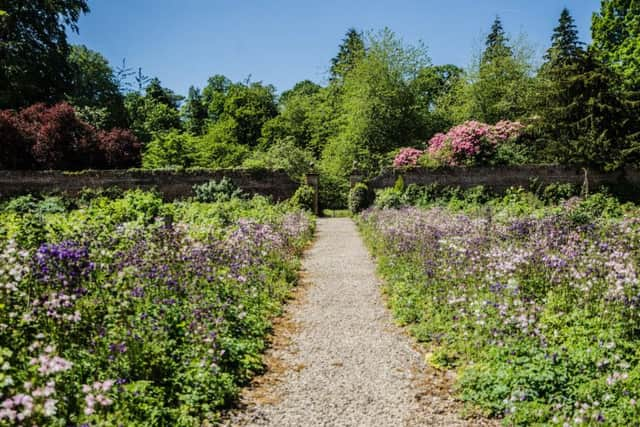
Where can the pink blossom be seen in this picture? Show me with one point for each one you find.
(469, 140)
(407, 157)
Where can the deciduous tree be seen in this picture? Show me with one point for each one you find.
(34, 50)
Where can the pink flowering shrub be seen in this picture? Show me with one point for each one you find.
(407, 157)
(471, 142)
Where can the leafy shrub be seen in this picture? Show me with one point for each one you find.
(304, 197)
(217, 191)
(22, 204)
(86, 195)
(333, 191)
(477, 195)
(360, 198)
(52, 204)
(557, 192)
(172, 149)
(593, 207)
(389, 198)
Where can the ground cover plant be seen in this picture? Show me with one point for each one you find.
(130, 311)
(534, 303)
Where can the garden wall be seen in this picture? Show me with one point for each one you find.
(500, 178)
(171, 184)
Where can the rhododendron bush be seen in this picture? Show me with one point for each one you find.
(136, 312)
(471, 142)
(467, 144)
(407, 157)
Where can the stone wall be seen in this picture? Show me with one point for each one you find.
(171, 184)
(501, 178)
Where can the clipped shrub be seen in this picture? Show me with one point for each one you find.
(303, 197)
(389, 198)
(217, 191)
(333, 191)
(360, 198)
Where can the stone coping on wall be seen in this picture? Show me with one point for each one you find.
(501, 178)
(171, 184)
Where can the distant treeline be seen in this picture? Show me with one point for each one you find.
(580, 107)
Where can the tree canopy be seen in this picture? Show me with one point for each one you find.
(34, 50)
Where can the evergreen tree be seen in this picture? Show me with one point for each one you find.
(351, 51)
(565, 46)
(496, 45)
(195, 112)
(584, 117)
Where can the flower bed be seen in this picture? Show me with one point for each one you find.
(130, 311)
(538, 314)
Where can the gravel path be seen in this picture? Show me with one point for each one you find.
(345, 363)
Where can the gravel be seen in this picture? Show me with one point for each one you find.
(345, 362)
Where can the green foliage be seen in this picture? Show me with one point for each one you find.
(282, 155)
(593, 208)
(218, 148)
(351, 51)
(399, 184)
(584, 118)
(378, 98)
(34, 62)
(217, 191)
(388, 198)
(507, 294)
(163, 328)
(94, 89)
(194, 112)
(497, 43)
(30, 204)
(304, 198)
(566, 47)
(21, 204)
(558, 192)
(360, 198)
(616, 38)
(169, 150)
(333, 191)
(301, 118)
(494, 89)
(153, 113)
(249, 108)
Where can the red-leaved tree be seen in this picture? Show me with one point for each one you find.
(54, 137)
(120, 148)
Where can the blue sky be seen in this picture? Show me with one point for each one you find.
(281, 42)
